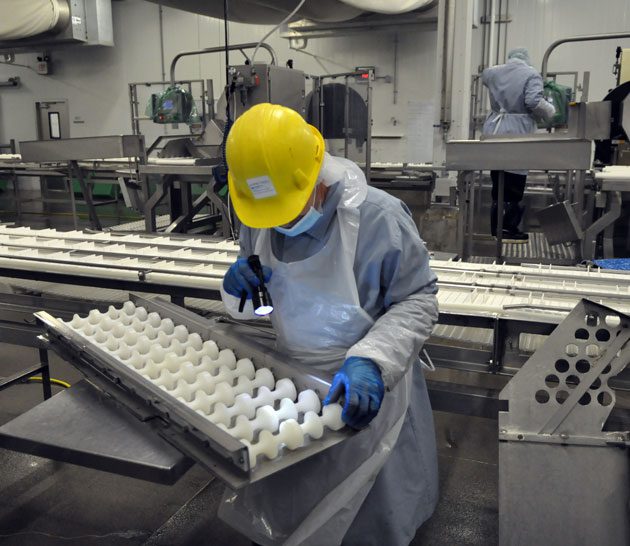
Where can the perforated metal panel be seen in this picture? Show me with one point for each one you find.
(562, 480)
(562, 390)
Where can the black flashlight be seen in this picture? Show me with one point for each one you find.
(261, 299)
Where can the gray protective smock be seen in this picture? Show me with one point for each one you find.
(364, 264)
(516, 99)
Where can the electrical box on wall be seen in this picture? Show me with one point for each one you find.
(71, 22)
(43, 65)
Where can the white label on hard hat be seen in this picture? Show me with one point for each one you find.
(262, 187)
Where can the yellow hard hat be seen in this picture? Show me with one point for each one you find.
(274, 158)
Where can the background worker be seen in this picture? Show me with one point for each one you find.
(517, 100)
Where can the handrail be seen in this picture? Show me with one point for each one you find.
(584, 38)
(220, 49)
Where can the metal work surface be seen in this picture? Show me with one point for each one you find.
(191, 432)
(558, 404)
(72, 149)
(97, 434)
(518, 153)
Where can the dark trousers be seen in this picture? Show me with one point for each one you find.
(514, 186)
(514, 189)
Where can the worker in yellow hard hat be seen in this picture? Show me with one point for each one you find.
(353, 295)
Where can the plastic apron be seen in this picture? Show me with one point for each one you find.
(506, 123)
(318, 317)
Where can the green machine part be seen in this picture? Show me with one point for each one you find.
(560, 96)
(173, 105)
(102, 190)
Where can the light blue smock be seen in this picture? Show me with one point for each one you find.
(397, 289)
(516, 97)
(391, 267)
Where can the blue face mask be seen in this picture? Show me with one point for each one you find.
(302, 225)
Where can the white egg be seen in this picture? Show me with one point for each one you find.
(118, 331)
(88, 330)
(157, 354)
(130, 338)
(137, 325)
(177, 347)
(136, 361)
(100, 336)
(106, 324)
(112, 344)
(141, 314)
(143, 345)
(94, 317)
(124, 352)
(181, 333)
(163, 339)
(195, 341)
(150, 331)
(167, 326)
(76, 322)
(154, 320)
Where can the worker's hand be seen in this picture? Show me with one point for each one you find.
(241, 277)
(359, 381)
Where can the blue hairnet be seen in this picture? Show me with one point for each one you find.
(519, 53)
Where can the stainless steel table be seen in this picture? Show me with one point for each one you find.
(507, 153)
(84, 426)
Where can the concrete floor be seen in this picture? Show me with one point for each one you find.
(46, 503)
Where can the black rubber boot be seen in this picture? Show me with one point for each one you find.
(511, 220)
(512, 217)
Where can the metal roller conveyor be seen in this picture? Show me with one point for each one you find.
(241, 411)
(183, 266)
(201, 262)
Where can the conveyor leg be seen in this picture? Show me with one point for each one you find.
(178, 300)
(75, 170)
(500, 210)
(43, 360)
(18, 198)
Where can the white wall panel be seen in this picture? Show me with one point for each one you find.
(95, 80)
(537, 23)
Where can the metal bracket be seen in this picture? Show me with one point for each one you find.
(562, 393)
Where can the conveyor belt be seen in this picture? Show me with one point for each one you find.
(545, 293)
(191, 262)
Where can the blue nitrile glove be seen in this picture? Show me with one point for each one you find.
(241, 277)
(359, 381)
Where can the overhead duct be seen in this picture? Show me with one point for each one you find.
(266, 12)
(274, 11)
(35, 25)
(23, 19)
(389, 6)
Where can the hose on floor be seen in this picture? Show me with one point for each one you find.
(54, 381)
